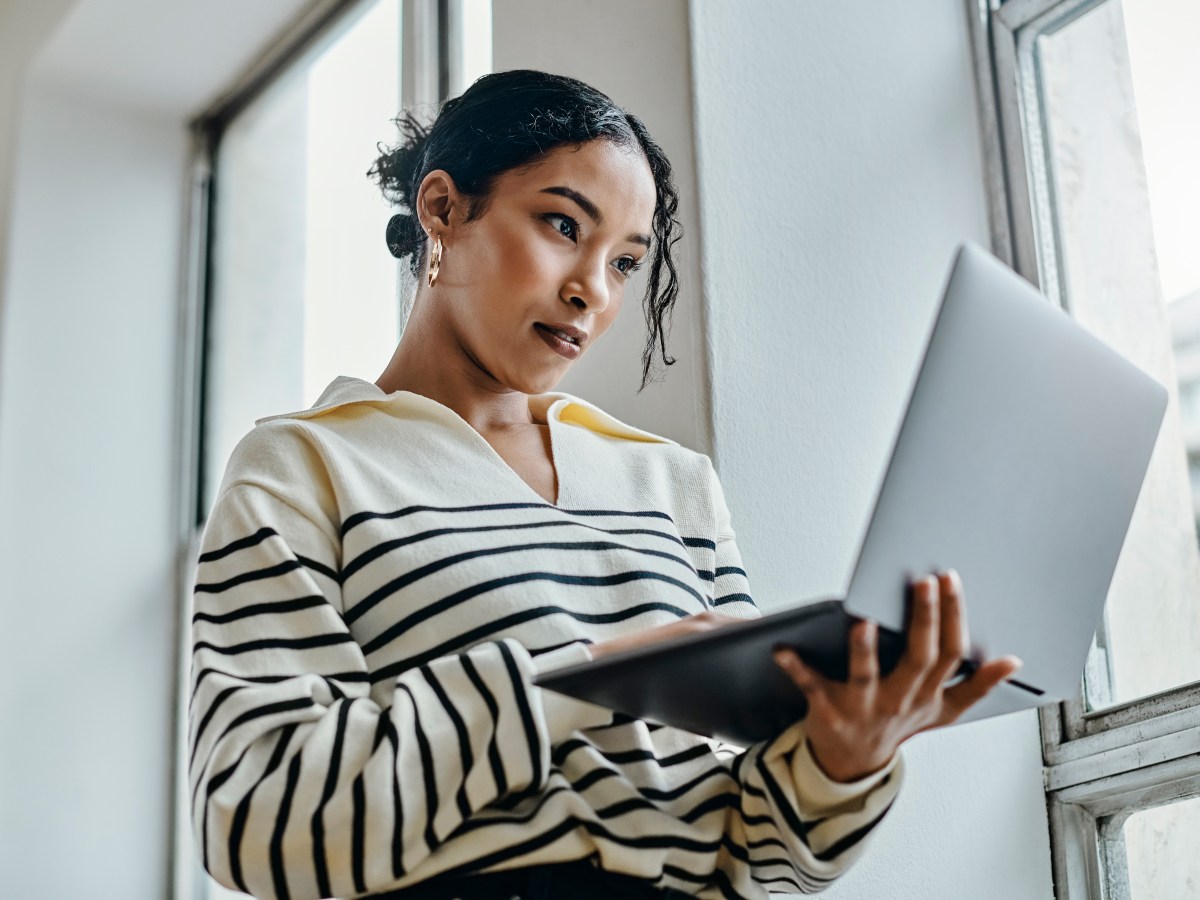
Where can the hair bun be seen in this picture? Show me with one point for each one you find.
(398, 233)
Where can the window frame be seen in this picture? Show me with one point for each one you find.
(1100, 766)
(431, 68)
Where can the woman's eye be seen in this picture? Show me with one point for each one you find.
(572, 227)
(631, 265)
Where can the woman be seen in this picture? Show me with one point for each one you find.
(383, 576)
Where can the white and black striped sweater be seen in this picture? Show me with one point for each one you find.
(376, 591)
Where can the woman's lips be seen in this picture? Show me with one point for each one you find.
(563, 348)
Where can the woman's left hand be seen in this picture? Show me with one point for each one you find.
(855, 727)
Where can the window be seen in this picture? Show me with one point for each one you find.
(290, 283)
(1091, 143)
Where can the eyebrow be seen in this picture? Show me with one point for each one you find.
(591, 209)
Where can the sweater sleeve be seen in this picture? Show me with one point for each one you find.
(796, 828)
(306, 779)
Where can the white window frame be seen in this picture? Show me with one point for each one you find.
(1099, 767)
(433, 67)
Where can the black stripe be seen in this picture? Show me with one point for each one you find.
(754, 792)
(480, 863)
(790, 817)
(531, 735)
(358, 819)
(595, 776)
(677, 792)
(660, 795)
(466, 757)
(766, 842)
(499, 626)
(278, 869)
(371, 554)
(617, 757)
(310, 563)
(210, 788)
(679, 874)
(733, 598)
(348, 677)
(317, 827)
(358, 828)
(304, 643)
(216, 587)
(725, 800)
(208, 715)
(358, 518)
(431, 797)
(398, 869)
(240, 544)
(269, 709)
(238, 827)
(726, 886)
(407, 579)
(730, 570)
(249, 715)
(703, 543)
(552, 647)
(259, 609)
(489, 700)
(839, 847)
(428, 611)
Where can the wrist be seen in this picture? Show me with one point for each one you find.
(845, 771)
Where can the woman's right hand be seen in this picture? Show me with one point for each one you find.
(705, 621)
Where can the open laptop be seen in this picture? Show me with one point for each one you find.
(1019, 461)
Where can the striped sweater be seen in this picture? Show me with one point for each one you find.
(376, 592)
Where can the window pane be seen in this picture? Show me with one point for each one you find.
(303, 288)
(1122, 144)
(1160, 845)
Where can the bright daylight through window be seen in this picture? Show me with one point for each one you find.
(1095, 108)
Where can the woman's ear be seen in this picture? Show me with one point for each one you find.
(439, 202)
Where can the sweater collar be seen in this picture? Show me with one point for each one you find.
(552, 405)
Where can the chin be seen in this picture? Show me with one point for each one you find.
(546, 383)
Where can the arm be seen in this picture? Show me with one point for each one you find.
(304, 782)
(797, 828)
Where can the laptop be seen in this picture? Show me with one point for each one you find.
(1019, 460)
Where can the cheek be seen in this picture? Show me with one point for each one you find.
(609, 316)
(518, 262)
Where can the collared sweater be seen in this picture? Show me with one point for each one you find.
(376, 592)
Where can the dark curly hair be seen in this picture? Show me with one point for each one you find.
(505, 121)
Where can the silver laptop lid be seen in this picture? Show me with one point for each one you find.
(1019, 461)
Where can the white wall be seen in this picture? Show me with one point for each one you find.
(92, 179)
(86, 473)
(840, 162)
(24, 26)
(638, 54)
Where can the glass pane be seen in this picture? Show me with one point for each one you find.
(303, 288)
(1160, 846)
(1123, 142)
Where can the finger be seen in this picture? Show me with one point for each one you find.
(864, 664)
(920, 651)
(952, 638)
(967, 693)
(811, 683)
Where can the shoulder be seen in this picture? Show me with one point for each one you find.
(572, 410)
(639, 464)
(292, 454)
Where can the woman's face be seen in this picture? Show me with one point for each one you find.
(555, 246)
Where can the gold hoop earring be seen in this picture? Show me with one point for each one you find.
(435, 260)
